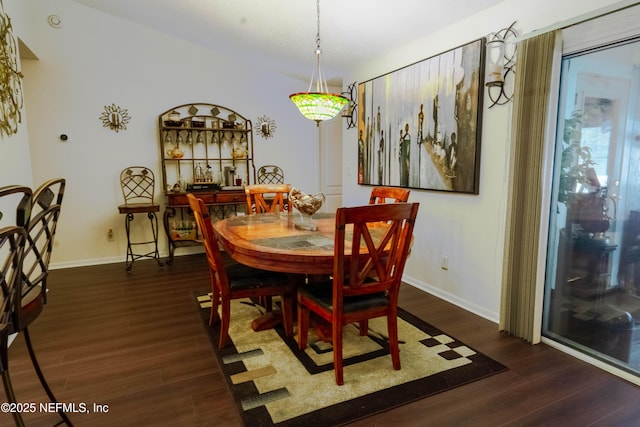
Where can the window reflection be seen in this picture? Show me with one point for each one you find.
(592, 295)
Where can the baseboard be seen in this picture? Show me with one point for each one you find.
(85, 262)
(113, 260)
(453, 299)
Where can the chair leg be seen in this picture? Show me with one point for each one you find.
(153, 219)
(6, 381)
(131, 256)
(394, 348)
(303, 325)
(127, 226)
(364, 327)
(287, 314)
(45, 386)
(215, 301)
(267, 303)
(337, 352)
(224, 323)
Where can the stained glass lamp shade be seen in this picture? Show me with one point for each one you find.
(320, 104)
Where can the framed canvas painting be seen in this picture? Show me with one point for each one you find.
(420, 126)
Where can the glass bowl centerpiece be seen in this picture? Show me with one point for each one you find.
(307, 205)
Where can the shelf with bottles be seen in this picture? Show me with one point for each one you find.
(202, 143)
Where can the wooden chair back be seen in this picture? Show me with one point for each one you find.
(270, 174)
(385, 256)
(381, 195)
(263, 198)
(210, 243)
(371, 247)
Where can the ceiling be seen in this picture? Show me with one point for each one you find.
(281, 34)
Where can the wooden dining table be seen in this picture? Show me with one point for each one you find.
(272, 242)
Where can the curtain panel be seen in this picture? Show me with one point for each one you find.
(535, 61)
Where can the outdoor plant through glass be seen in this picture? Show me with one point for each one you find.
(592, 291)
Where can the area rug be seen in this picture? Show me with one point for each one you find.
(274, 383)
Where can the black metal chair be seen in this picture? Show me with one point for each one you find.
(270, 174)
(138, 186)
(12, 243)
(45, 212)
(38, 214)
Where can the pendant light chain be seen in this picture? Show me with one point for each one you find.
(321, 85)
(321, 104)
(318, 50)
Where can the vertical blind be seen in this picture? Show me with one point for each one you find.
(534, 80)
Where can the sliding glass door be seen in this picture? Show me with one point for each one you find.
(592, 291)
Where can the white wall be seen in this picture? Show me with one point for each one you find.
(468, 229)
(95, 60)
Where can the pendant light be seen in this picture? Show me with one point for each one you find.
(321, 104)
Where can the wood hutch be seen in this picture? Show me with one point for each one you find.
(207, 150)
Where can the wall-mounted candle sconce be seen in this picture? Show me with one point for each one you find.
(500, 68)
(115, 118)
(349, 113)
(266, 127)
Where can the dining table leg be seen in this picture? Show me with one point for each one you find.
(273, 318)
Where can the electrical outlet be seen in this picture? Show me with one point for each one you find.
(110, 236)
(444, 262)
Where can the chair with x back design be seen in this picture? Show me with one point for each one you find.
(353, 294)
(381, 195)
(266, 198)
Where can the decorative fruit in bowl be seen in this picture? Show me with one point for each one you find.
(307, 205)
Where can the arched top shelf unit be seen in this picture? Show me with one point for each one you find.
(205, 147)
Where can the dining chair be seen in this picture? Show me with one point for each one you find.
(12, 244)
(367, 238)
(262, 198)
(40, 219)
(270, 174)
(38, 213)
(45, 211)
(232, 280)
(388, 195)
(138, 185)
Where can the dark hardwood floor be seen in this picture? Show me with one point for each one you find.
(135, 343)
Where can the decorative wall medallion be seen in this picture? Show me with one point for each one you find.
(266, 127)
(115, 117)
(10, 78)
